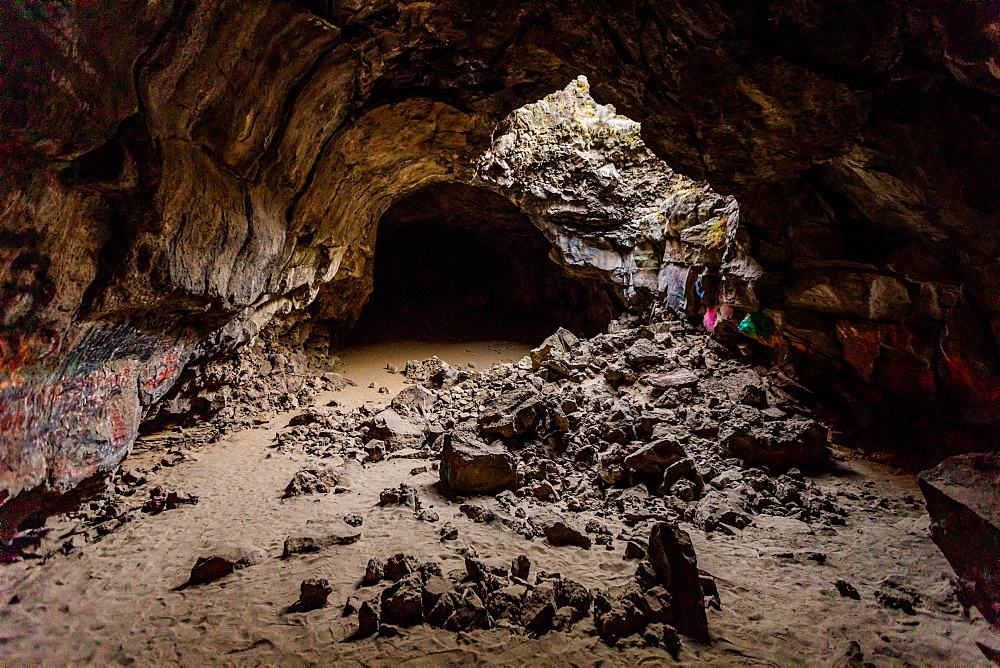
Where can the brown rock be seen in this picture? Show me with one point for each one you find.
(653, 459)
(513, 413)
(223, 561)
(676, 565)
(963, 500)
(469, 466)
(313, 595)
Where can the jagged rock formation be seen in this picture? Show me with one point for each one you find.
(614, 211)
(174, 181)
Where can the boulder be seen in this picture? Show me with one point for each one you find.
(718, 509)
(506, 602)
(396, 431)
(676, 566)
(470, 466)
(799, 443)
(653, 459)
(402, 603)
(963, 500)
(520, 567)
(622, 619)
(682, 468)
(560, 533)
(470, 613)
(540, 608)
(415, 399)
(559, 343)
(222, 561)
(513, 413)
(313, 595)
(313, 480)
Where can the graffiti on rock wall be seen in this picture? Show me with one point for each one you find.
(80, 410)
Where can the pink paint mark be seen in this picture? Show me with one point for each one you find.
(711, 319)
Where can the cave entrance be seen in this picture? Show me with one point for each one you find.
(457, 262)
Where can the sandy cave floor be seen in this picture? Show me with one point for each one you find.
(113, 601)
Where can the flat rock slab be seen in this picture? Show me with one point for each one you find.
(963, 500)
(673, 379)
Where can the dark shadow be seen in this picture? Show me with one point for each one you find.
(455, 262)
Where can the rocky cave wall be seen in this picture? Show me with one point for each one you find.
(174, 181)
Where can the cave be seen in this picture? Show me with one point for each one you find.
(500, 332)
(458, 262)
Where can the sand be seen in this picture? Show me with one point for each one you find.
(113, 602)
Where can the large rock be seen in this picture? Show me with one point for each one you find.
(799, 443)
(653, 459)
(470, 466)
(396, 431)
(415, 399)
(676, 565)
(513, 413)
(559, 343)
(963, 500)
(313, 594)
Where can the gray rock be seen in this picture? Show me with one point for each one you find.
(313, 480)
(561, 342)
(643, 352)
(718, 509)
(415, 399)
(396, 431)
(513, 413)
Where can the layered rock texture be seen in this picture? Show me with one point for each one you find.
(174, 181)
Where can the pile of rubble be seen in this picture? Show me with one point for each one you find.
(668, 595)
(647, 423)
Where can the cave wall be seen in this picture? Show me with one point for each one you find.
(173, 181)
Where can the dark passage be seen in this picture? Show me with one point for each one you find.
(455, 262)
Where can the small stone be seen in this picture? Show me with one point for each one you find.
(448, 532)
(634, 550)
(313, 595)
(847, 590)
(520, 568)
